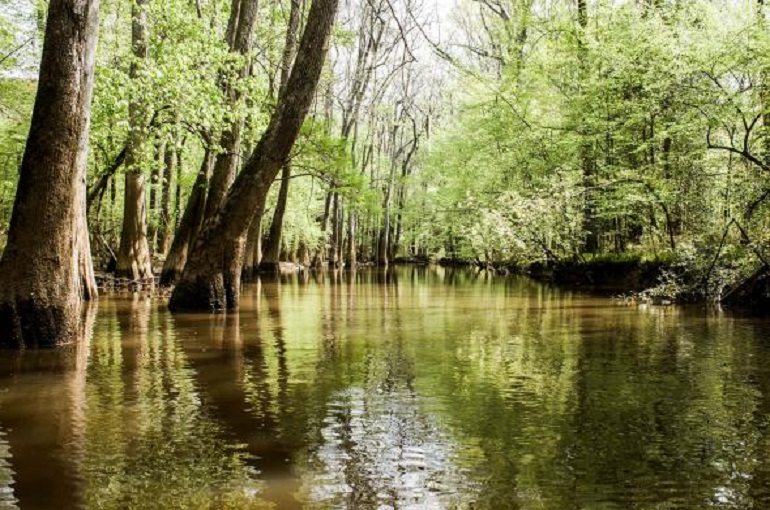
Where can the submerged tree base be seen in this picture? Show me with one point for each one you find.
(198, 294)
(269, 268)
(30, 324)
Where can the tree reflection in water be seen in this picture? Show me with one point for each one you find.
(414, 387)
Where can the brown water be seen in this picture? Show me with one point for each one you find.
(417, 388)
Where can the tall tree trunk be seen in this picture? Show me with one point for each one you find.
(384, 237)
(134, 260)
(45, 268)
(320, 256)
(591, 224)
(270, 255)
(211, 278)
(240, 38)
(351, 255)
(334, 251)
(189, 225)
(253, 246)
(164, 220)
(272, 249)
(155, 176)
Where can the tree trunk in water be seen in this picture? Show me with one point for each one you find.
(211, 278)
(178, 190)
(318, 259)
(271, 254)
(334, 251)
(272, 251)
(224, 171)
(351, 241)
(303, 255)
(189, 225)
(134, 260)
(45, 271)
(383, 246)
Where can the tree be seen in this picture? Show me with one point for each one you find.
(211, 278)
(272, 249)
(45, 269)
(134, 260)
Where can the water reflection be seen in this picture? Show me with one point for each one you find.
(414, 387)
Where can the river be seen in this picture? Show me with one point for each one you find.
(409, 388)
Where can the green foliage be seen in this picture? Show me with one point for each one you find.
(16, 98)
(613, 121)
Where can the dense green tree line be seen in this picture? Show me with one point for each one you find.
(581, 129)
(506, 132)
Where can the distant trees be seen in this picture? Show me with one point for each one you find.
(628, 130)
(133, 260)
(518, 131)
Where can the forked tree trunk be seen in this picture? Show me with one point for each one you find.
(134, 260)
(45, 269)
(211, 278)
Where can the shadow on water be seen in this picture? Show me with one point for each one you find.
(413, 387)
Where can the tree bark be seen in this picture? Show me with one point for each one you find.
(134, 260)
(351, 255)
(155, 175)
(165, 227)
(334, 252)
(253, 246)
(271, 254)
(45, 271)
(320, 255)
(189, 224)
(211, 278)
(272, 249)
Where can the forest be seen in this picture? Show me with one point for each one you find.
(189, 145)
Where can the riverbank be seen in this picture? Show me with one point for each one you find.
(619, 274)
(656, 281)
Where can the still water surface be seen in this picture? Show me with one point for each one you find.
(415, 388)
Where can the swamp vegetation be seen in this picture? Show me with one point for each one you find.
(412, 387)
(202, 142)
(161, 160)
